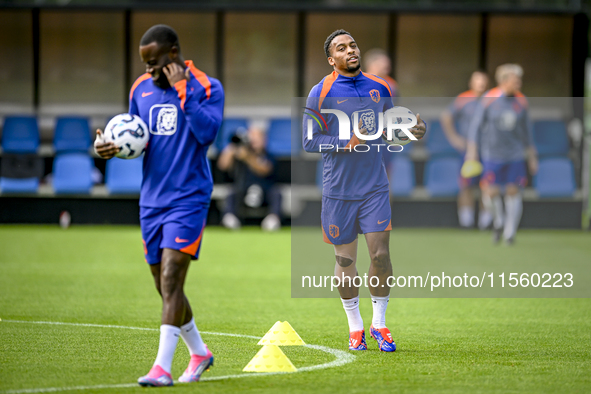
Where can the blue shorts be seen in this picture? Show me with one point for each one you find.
(342, 220)
(469, 182)
(179, 228)
(501, 173)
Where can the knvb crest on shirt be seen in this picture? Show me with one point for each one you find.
(163, 119)
(375, 95)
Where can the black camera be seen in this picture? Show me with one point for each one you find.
(240, 136)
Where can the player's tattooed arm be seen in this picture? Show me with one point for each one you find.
(105, 150)
(175, 73)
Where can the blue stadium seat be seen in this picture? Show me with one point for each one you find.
(124, 176)
(279, 138)
(227, 130)
(72, 173)
(550, 138)
(436, 141)
(19, 185)
(20, 134)
(402, 176)
(72, 134)
(555, 178)
(441, 176)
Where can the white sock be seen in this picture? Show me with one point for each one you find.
(466, 216)
(169, 336)
(495, 206)
(352, 309)
(192, 339)
(379, 311)
(514, 207)
(484, 219)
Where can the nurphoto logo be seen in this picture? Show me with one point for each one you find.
(392, 125)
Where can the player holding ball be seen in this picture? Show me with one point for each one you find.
(183, 108)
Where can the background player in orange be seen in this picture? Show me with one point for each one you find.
(460, 114)
(377, 62)
(501, 134)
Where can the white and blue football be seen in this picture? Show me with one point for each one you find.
(402, 116)
(129, 133)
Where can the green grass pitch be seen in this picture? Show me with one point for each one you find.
(241, 285)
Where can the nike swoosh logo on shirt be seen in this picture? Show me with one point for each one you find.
(144, 94)
(381, 221)
(340, 102)
(180, 241)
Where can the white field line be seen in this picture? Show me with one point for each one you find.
(341, 358)
(57, 323)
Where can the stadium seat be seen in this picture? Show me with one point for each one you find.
(555, 178)
(550, 138)
(18, 185)
(21, 167)
(124, 176)
(227, 130)
(72, 173)
(441, 176)
(402, 176)
(20, 172)
(72, 134)
(436, 141)
(279, 138)
(20, 134)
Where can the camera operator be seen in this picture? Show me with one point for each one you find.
(247, 161)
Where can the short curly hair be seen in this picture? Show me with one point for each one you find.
(331, 37)
(162, 35)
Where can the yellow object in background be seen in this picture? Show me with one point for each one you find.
(471, 168)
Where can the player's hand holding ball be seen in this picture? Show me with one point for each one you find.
(404, 117)
(105, 150)
(420, 129)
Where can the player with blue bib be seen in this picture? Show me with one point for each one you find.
(501, 130)
(455, 122)
(355, 189)
(183, 109)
